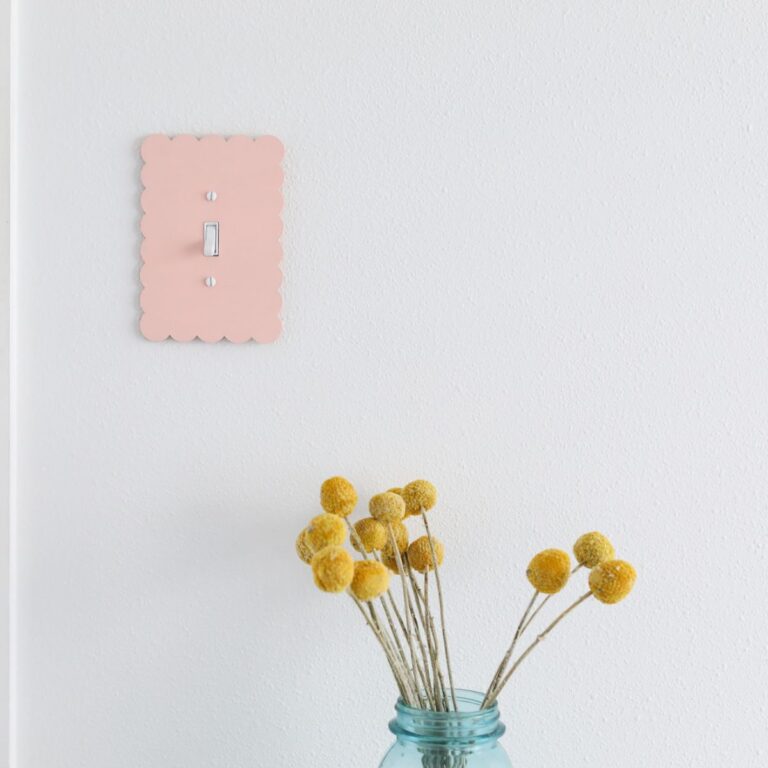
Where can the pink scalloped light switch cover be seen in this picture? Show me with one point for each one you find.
(179, 299)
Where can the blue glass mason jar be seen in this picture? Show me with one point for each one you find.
(468, 738)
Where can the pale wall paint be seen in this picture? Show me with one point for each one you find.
(525, 257)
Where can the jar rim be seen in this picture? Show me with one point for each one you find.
(463, 696)
(471, 728)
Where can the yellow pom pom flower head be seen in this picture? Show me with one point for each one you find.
(420, 554)
(338, 496)
(387, 507)
(612, 581)
(593, 548)
(302, 548)
(371, 579)
(549, 570)
(324, 531)
(418, 495)
(333, 569)
(372, 535)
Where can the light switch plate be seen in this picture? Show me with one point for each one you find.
(190, 185)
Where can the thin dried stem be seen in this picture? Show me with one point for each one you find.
(508, 655)
(395, 635)
(418, 615)
(387, 597)
(525, 653)
(393, 663)
(442, 609)
(418, 622)
(377, 622)
(392, 603)
(541, 605)
(535, 613)
(423, 600)
(402, 667)
(406, 600)
(423, 670)
(361, 548)
(439, 682)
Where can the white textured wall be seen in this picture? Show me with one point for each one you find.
(525, 257)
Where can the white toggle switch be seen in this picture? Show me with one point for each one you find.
(211, 238)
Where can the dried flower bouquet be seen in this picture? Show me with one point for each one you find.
(402, 620)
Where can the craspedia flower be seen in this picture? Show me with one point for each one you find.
(302, 548)
(593, 548)
(387, 507)
(372, 534)
(400, 492)
(420, 554)
(333, 569)
(418, 495)
(324, 531)
(612, 581)
(549, 571)
(338, 496)
(370, 580)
